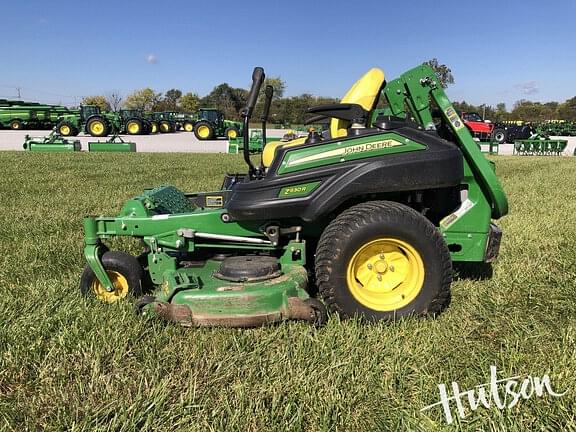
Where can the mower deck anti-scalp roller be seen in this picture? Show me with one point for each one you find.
(370, 215)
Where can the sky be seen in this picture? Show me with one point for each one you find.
(499, 51)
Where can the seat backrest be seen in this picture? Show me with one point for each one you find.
(365, 93)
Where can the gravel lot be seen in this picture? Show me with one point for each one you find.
(173, 142)
(186, 142)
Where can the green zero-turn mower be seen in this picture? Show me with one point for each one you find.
(367, 218)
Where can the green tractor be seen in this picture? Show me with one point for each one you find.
(368, 217)
(162, 122)
(211, 124)
(134, 122)
(90, 120)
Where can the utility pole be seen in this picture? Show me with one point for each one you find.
(18, 90)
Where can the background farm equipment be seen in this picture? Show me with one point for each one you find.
(480, 129)
(27, 115)
(211, 124)
(255, 143)
(511, 131)
(556, 128)
(115, 144)
(134, 122)
(540, 147)
(51, 143)
(90, 120)
(164, 121)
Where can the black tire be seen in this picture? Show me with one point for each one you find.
(133, 127)
(16, 125)
(204, 130)
(319, 316)
(427, 276)
(120, 263)
(65, 128)
(97, 127)
(231, 131)
(165, 127)
(188, 126)
(499, 135)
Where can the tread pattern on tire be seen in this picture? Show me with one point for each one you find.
(335, 235)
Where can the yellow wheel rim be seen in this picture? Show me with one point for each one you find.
(232, 133)
(385, 274)
(188, 127)
(133, 127)
(64, 130)
(204, 131)
(97, 128)
(120, 288)
(154, 128)
(16, 126)
(164, 127)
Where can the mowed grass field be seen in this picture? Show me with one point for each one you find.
(69, 363)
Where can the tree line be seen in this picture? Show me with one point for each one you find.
(292, 110)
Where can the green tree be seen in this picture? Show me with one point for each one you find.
(277, 84)
(567, 110)
(99, 101)
(443, 72)
(190, 102)
(171, 99)
(114, 99)
(227, 99)
(144, 99)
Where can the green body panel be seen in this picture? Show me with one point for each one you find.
(298, 159)
(414, 89)
(112, 147)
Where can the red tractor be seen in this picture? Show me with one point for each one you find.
(481, 130)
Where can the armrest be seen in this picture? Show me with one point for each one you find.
(351, 112)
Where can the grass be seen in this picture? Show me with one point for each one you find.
(67, 363)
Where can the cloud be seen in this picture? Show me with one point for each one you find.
(151, 59)
(528, 88)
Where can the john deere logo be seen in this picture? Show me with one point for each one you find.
(370, 146)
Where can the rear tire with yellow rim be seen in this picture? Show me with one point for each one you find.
(133, 127)
(97, 127)
(203, 130)
(231, 133)
(188, 126)
(124, 271)
(382, 260)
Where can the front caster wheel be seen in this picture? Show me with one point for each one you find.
(125, 273)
